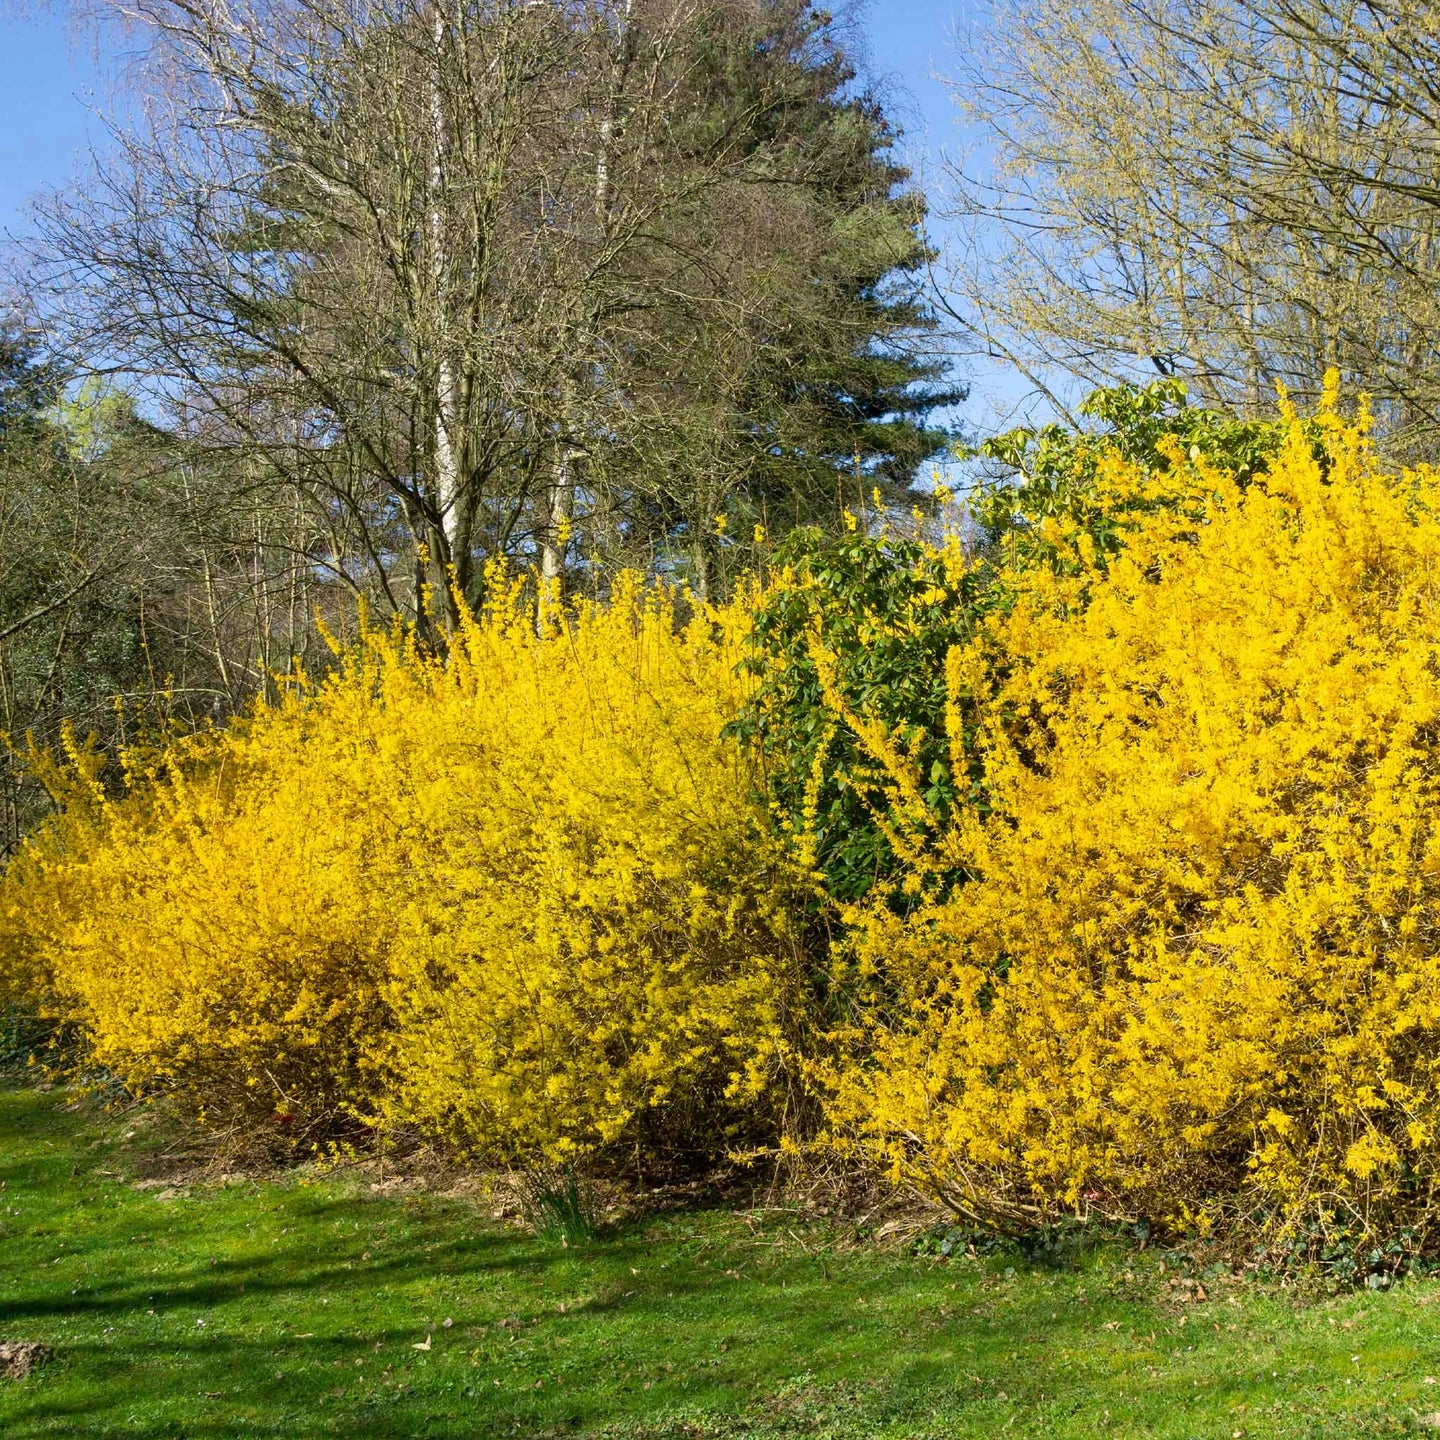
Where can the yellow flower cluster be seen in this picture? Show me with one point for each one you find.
(518, 897)
(1195, 968)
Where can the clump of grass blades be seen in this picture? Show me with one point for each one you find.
(558, 1204)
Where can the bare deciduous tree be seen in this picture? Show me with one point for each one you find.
(1244, 195)
(448, 269)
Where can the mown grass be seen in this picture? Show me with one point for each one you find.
(295, 1308)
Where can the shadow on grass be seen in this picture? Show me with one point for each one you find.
(300, 1309)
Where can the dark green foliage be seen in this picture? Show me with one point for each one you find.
(23, 1036)
(887, 611)
(1051, 471)
(841, 393)
(805, 378)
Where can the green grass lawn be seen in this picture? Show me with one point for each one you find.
(300, 1308)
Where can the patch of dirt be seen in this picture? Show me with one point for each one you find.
(19, 1357)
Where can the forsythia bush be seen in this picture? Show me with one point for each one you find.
(1130, 824)
(1195, 968)
(518, 897)
(848, 640)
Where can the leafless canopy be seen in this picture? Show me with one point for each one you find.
(1245, 195)
(449, 270)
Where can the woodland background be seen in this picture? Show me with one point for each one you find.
(357, 297)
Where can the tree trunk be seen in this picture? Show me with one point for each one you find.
(562, 493)
(450, 489)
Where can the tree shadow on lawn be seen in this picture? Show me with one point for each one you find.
(244, 1311)
(624, 1347)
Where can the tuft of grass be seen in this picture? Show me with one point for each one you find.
(560, 1206)
(331, 1304)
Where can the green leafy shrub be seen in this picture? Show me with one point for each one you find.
(849, 643)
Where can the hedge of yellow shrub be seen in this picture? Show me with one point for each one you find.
(519, 897)
(1158, 936)
(1193, 971)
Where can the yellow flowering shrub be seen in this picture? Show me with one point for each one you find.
(211, 927)
(1194, 969)
(1154, 929)
(520, 897)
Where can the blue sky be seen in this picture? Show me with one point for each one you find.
(48, 88)
(910, 47)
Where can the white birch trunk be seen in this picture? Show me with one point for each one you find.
(449, 497)
(562, 490)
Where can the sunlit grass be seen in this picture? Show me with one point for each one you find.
(305, 1307)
